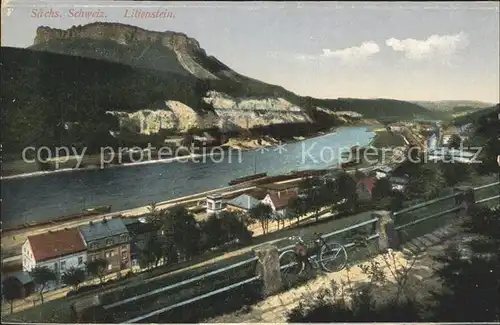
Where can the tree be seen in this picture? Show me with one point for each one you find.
(12, 289)
(297, 207)
(312, 191)
(345, 196)
(426, 183)
(455, 173)
(233, 228)
(154, 250)
(73, 277)
(41, 276)
(181, 225)
(262, 212)
(455, 142)
(382, 189)
(97, 268)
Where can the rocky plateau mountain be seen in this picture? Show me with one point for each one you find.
(112, 76)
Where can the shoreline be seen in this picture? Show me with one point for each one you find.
(239, 144)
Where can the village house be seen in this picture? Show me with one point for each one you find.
(140, 231)
(58, 250)
(364, 188)
(108, 240)
(214, 204)
(278, 201)
(24, 279)
(245, 202)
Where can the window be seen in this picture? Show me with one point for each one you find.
(93, 245)
(63, 265)
(93, 257)
(124, 238)
(110, 267)
(112, 253)
(80, 260)
(124, 255)
(55, 267)
(107, 254)
(109, 241)
(124, 247)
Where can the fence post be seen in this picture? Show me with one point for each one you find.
(467, 200)
(268, 268)
(388, 237)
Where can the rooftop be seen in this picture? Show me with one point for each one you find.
(278, 187)
(139, 228)
(244, 201)
(103, 229)
(280, 201)
(54, 244)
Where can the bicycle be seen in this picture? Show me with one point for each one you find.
(294, 261)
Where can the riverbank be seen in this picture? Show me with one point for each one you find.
(22, 169)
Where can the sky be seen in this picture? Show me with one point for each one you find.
(408, 51)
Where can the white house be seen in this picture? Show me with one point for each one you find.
(279, 201)
(58, 250)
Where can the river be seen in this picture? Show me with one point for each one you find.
(51, 195)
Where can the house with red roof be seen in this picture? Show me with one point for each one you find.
(58, 250)
(364, 188)
(279, 201)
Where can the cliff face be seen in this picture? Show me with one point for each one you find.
(231, 114)
(184, 47)
(119, 33)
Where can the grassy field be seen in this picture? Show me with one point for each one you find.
(386, 139)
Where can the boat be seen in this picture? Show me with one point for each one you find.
(247, 178)
(250, 177)
(99, 209)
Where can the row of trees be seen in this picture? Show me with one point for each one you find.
(180, 235)
(43, 276)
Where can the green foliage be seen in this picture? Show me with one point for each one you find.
(455, 142)
(97, 268)
(44, 90)
(455, 173)
(41, 276)
(73, 277)
(487, 127)
(426, 182)
(471, 282)
(224, 228)
(382, 189)
(12, 289)
(263, 213)
(180, 224)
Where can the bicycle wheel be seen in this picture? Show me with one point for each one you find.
(333, 257)
(289, 266)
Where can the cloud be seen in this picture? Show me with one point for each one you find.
(435, 46)
(355, 53)
(347, 55)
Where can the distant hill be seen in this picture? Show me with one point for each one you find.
(79, 74)
(453, 105)
(477, 115)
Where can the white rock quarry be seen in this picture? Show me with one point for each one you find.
(248, 113)
(230, 114)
